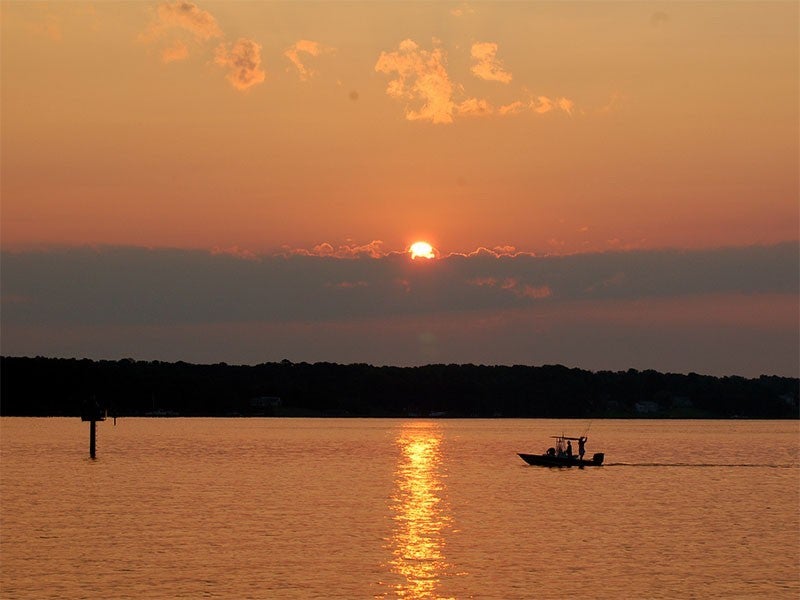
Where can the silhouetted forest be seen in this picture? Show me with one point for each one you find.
(52, 386)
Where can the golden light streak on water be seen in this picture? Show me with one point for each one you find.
(419, 512)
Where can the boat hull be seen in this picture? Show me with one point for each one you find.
(548, 460)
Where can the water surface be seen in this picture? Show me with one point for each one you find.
(356, 508)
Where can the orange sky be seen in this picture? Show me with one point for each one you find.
(605, 184)
(550, 127)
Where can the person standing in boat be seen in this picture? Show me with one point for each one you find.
(581, 447)
(569, 449)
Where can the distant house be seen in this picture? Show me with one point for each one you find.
(682, 402)
(646, 407)
(263, 402)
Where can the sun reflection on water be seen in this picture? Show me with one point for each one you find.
(419, 512)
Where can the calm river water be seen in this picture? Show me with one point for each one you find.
(352, 508)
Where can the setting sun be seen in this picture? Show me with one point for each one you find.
(421, 250)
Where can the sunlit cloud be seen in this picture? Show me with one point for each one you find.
(462, 11)
(177, 51)
(181, 16)
(485, 63)
(494, 252)
(511, 109)
(311, 48)
(566, 105)
(421, 79)
(479, 107)
(474, 107)
(323, 249)
(372, 249)
(243, 61)
(544, 104)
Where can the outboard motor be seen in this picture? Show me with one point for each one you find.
(598, 457)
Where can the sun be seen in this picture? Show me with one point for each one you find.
(421, 250)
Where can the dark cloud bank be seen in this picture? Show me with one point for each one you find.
(137, 286)
(731, 311)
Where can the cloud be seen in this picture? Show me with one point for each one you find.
(485, 64)
(566, 105)
(665, 309)
(177, 51)
(243, 60)
(183, 16)
(511, 109)
(372, 250)
(659, 18)
(144, 286)
(309, 47)
(236, 251)
(543, 105)
(173, 19)
(474, 107)
(462, 11)
(423, 82)
(495, 252)
(614, 101)
(421, 79)
(513, 286)
(50, 27)
(323, 249)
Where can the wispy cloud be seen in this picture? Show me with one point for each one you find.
(659, 18)
(513, 286)
(513, 108)
(57, 21)
(475, 107)
(243, 60)
(421, 79)
(311, 48)
(186, 16)
(614, 102)
(49, 26)
(485, 64)
(176, 23)
(176, 18)
(544, 104)
(177, 51)
(462, 10)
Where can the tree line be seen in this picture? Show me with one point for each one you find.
(64, 387)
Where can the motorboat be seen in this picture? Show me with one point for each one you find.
(562, 454)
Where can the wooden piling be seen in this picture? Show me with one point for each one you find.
(91, 412)
(92, 439)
